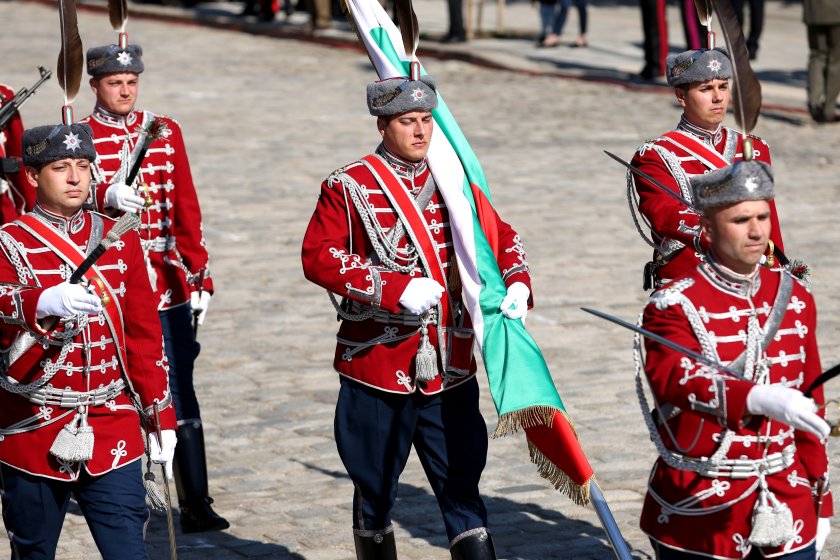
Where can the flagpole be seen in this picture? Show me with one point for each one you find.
(619, 545)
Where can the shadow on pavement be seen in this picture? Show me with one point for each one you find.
(221, 545)
(564, 538)
(797, 78)
(217, 545)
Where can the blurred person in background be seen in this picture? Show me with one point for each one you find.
(822, 17)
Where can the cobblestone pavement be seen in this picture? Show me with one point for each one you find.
(265, 121)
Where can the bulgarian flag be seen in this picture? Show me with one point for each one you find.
(520, 383)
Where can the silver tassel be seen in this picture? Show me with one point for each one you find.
(154, 499)
(84, 439)
(426, 360)
(772, 523)
(64, 446)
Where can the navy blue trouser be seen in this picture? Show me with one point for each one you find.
(665, 553)
(114, 506)
(181, 349)
(374, 432)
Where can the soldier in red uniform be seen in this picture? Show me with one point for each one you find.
(743, 468)
(173, 244)
(78, 374)
(699, 144)
(16, 195)
(378, 237)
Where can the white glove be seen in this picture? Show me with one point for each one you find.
(823, 530)
(65, 300)
(515, 304)
(163, 455)
(789, 406)
(199, 304)
(420, 295)
(123, 198)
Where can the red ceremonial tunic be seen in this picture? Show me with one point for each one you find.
(338, 255)
(170, 229)
(709, 511)
(28, 429)
(16, 194)
(675, 227)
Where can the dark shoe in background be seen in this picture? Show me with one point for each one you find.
(198, 517)
(649, 74)
(450, 38)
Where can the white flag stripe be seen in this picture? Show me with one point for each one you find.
(444, 162)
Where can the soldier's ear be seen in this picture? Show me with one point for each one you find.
(32, 175)
(680, 94)
(706, 227)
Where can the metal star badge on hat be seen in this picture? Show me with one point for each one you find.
(71, 141)
(124, 58)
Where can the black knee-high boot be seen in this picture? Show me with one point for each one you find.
(190, 469)
(478, 546)
(375, 545)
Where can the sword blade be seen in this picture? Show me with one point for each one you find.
(696, 356)
(827, 375)
(776, 251)
(652, 181)
(170, 525)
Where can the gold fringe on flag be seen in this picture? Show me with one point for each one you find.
(512, 422)
(543, 415)
(561, 481)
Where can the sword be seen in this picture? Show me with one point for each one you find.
(155, 129)
(201, 275)
(776, 251)
(696, 356)
(822, 486)
(830, 373)
(173, 554)
(821, 379)
(653, 182)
